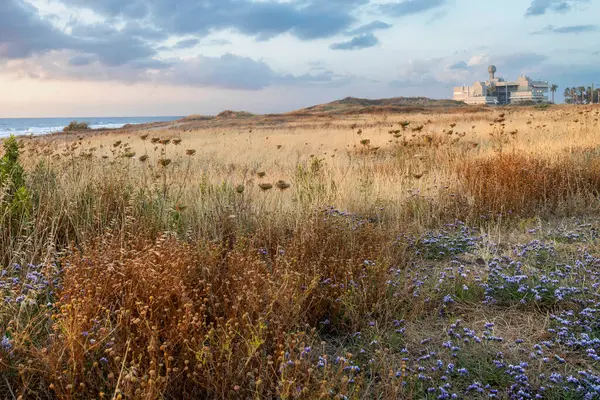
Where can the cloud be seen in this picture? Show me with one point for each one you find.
(304, 19)
(417, 73)
(186, 44)
(217, 42)
(440, 73)
(133, 29)
(317, 65)
(125, 45)
(541, 7)
(79, 60)
(357, 43)
(519, 61)
(68, 65)
(408, 7)
(228, 71)
(509, 65)
(458, 65)
(568, 29)
(23, 32)
(437, 16)
(369, 28)
(478, 59)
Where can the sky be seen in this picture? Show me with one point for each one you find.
(76, 58)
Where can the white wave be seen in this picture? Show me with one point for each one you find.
(52, 129)
(108, 126)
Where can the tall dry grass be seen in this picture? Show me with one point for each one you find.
(526, 184)
(175, 264)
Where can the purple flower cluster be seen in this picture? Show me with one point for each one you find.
(350, 220)
(581, 233)
(455, 239)
(30, 285)
(536, 275)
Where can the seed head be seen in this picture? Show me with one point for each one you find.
(282, 185)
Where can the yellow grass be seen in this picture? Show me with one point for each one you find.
(202, 261)
(327, 157)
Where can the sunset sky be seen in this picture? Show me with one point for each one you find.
(73, 58)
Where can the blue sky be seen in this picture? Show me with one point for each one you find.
(176, 57)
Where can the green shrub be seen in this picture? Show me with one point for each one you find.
(15, 197)
(11, 172)
(76, 126)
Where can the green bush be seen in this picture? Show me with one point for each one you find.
(15, 196)
(11, 172)
(76, 126)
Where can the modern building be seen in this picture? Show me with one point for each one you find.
(498, 91)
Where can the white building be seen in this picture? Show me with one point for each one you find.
(499, 91)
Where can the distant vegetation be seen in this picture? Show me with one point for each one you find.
(227, 114)
(76, 126)
(391, 105)
(234, 114)
(197, 117)
(582, 95)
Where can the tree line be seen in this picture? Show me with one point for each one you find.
(581, 95)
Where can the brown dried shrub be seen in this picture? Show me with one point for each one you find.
(524, 184)
(165, 319)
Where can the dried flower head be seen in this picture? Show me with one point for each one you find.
(282, 185)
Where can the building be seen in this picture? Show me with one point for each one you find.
(498, 91)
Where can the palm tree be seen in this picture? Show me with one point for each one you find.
(567, 95)
(553, 89)
(589, 95)
(581, 92)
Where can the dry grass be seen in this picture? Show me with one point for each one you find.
(240, 258)
(163, 318)
(525, 184)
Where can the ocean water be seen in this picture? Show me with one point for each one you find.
(40, 126)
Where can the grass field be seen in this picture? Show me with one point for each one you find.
(431, 255)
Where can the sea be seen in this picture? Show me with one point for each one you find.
(41, 126)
